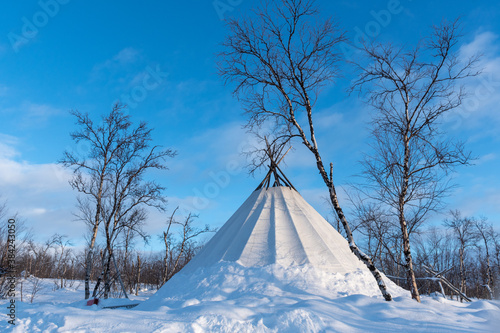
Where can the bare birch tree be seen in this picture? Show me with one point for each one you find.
(173, 262)
(63, 253)
(486, 233)
(279, 60)
(110, 176)
(411, 90)
(376, 225)
(464, 230)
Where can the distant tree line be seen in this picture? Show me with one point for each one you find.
(57, 259)
(466, 249)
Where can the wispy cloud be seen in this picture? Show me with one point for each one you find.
(7, 143)
(480, 200)
(486, 159)
(329, 118)
(119, 62)
(483, 42)
(126, 56)
(38, 114)
(38, 192)
(31, 114)
(481, 104)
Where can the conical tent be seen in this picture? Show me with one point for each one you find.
(277, 226)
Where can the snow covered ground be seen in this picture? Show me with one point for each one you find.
(228, 297)
(273, 267)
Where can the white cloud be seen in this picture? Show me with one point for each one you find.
(478, 201)
(38, 192)
(483, 42)
(6, 146)
(32, 177)
(33, 114)
(480, 106)
(125, 57)
(486, 158)
(37, 211)
(221, 145)
(329, 118)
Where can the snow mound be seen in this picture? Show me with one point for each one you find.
(231, 281)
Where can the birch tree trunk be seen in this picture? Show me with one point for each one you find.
(138, 281)
(486, 232)
(165, 258)
(88, 262)
(354, 248)
(462, 274)
(90, 254)
(410, 273)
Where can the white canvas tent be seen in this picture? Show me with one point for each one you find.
(274, 251)
(276, 225)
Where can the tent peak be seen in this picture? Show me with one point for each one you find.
(273, 154)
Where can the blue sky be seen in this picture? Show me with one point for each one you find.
(159, 57)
